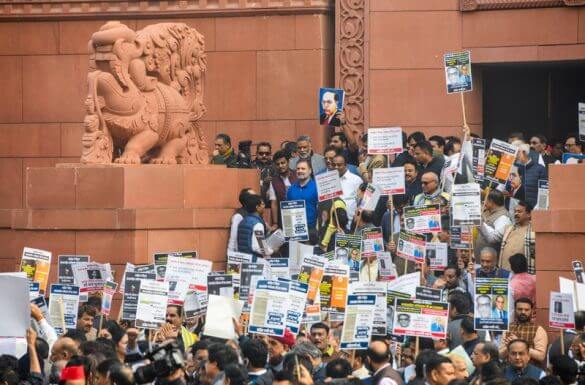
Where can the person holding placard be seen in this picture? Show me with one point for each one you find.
(519, 238)
(330, 223)
(305, 189)
(494, 221)
(423, 153)
(279, 185)
(349, 185)
(251, 226)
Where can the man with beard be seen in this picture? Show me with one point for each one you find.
(279, 186)
(305, 151)
(305, 189)
(523, 328)
(519, 238)
(277, 348)
(412, 183)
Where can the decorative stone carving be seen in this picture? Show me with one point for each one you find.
(350, 66)
(145, 95)
(478, 5)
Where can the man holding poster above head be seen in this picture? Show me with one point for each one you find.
(305, 189)
(494, 221)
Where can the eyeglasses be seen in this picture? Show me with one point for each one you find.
(263, 153)
(426, 183)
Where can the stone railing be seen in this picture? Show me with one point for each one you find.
(478, 5)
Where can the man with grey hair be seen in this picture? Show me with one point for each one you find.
(311, 351)
(488, 259)
(305, 151)
(529, 173)
(495, 219)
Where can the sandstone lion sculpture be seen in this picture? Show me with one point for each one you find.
(145, 95)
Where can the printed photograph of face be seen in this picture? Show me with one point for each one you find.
(330, 106)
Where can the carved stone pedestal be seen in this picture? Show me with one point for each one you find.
(123, 213)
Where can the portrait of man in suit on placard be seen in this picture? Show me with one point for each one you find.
(331, 104)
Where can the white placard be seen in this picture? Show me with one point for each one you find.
(221, 311)
(387, 140)
(294, 220)
(436, 253)
(466, 204)
(328, 185)
(15, 304)
(152, 304)
(406, 284)
(269, 308)
(390, 180)
(356, 332)
(560, 311)
(63, 307)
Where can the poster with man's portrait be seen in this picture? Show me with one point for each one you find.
(330, 106)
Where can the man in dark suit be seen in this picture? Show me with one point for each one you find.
(330, 115)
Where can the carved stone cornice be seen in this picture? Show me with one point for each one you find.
(479, 5)
(86, 9)
(351, 56)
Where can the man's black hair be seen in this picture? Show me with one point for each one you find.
(491, 370)
(519, 340)
(524, 300)
(338, 368)
(226, 139)
(435, 362)
(95, 302)
(541, 138)
(222, 355)
(236, 373)
(460, 302)
(579, 320)
(76, 335)
(121, 375)
(527, 206)
(341, 136)
(518, 263)
(341, 155)
(280, 154)
(251, 203)
(263, 144)
(80, 361)
(101, 345)
(200, 345)
(421, 361)
(566, 368)
(417, 136)
(86, 309)
(243, 193)
(467, 325)
(320, 325)
(516, 134)
(283, 376)
(496, 197)
(104, 367)
(490, 349)
(456, 268)
(289, 363)
(439, 139)
(425, 147)
(256, 352)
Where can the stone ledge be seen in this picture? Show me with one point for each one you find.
(559, 221)
(120, 219)
(111, 9)
(483, 5)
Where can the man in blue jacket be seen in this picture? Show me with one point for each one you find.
(530, 172)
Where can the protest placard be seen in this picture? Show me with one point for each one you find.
(372, 242)
(221, 311)
(348, 250)
(36, 264)
(478, 158)
(437, 255)
(356, 331)
(296, 252)
(152, 304)
(41, 303)
(581, 116)
(466, 204)
(542, 197)
(370, 198)
(279, 268)
(312, 270)
(66, 267)
(420, 318)
(220, 284)
(183, 273)
(34, 289)
(296, 307)
(249, 275)
(15, 304)
(386, 268)
(234, 265)
(578, 271)
(458, 72)
(560, 311)
(90, 277)
(160, 261)
(328, 185)
(294, 220)
(195, 304)
(575, 289)
(390, 180)
(132, 283)
(333, 290)
(422, 219)
(63, 307)
(330, 106)
(269, 308)
(107, 297)
(492, 299)
(428, 294)
(499, 161)
(391, 296)
(460, 237)
(385, 141)
(406, 284)
(451, 167)
(379, 323)
(411, 246)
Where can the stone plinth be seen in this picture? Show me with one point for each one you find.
(560, 232)
(123, 213)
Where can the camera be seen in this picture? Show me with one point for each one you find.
(164, 360)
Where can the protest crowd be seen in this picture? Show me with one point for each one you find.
(381, 259)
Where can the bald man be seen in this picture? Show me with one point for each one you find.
(63, 349)
(379, 358)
